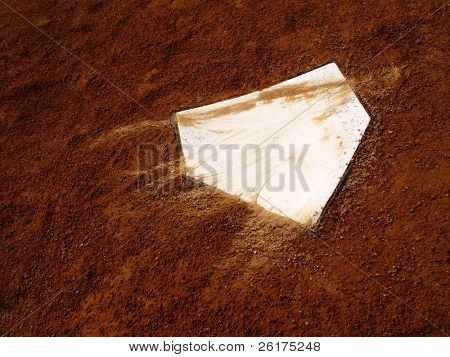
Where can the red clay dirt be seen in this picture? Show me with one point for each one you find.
(85, 252)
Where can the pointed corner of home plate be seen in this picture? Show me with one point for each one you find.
(285, 148)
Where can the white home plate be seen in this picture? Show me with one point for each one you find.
(285, 148)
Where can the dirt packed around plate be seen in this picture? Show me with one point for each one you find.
(89, 247)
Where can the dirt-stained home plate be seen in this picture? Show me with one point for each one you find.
(285, 148)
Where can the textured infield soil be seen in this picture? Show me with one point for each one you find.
(85, 252)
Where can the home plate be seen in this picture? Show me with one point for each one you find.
(285, 148)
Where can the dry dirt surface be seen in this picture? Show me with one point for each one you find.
(90, 247)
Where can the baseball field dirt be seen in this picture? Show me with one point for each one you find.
(91, 246)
